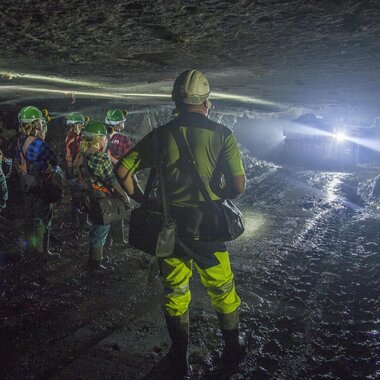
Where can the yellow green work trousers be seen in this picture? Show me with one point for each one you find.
(217, 279)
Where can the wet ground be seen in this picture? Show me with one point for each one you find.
(307, 270)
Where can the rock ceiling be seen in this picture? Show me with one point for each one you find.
(263, 55)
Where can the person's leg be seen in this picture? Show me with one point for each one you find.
(38, 220)
(75, 207)
(42, 220)
(176, 274)
(3, 191)
(219, 282)
(47, 218)
(220, 285)
(29, 238)
(98, 236)
(78, 206)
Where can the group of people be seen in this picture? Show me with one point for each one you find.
(98, 144)
(91, 153)
(108, 163)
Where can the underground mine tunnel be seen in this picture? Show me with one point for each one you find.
(297, 84)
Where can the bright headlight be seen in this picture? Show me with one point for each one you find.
(340, 136)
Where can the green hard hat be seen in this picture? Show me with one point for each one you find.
(114, 117)
(94, 128)
(29, 114)
(75, 118)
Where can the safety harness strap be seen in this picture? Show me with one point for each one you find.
(24, 164)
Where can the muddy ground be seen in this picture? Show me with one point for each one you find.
(307, 270)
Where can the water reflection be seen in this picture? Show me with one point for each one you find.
(255, 223)
(331, 190)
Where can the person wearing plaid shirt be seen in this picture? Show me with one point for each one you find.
(118, 145)
(97, 171)
(102, 175)
(38, 154)
(35, 161)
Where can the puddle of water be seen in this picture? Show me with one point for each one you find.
(255, 223)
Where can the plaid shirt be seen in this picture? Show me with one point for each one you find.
(38, 155)
(101, 170)
(118, 145)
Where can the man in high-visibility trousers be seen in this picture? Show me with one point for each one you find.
(216, 155)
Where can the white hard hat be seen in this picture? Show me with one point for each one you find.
(191, 87)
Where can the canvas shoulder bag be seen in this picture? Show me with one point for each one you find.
(103, 209)
(151, 228)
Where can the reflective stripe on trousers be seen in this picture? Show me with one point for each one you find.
(218, 280)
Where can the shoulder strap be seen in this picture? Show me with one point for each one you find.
(153, 174)
(184, 148)
(23, 149)
(158, 173)
(157, 146)
(87, 177)
(26, 145)
(150, 183)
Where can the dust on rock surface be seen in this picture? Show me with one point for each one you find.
(293, 52)
(307, 270)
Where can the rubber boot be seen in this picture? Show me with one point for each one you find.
(95, 260)
(46, 253)
(29, 243)
(234, 347)
(76, 205)
(39, 234)
(178, 329)
(88, 219)
(34, 235)
(82, 216)
(75, 223)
